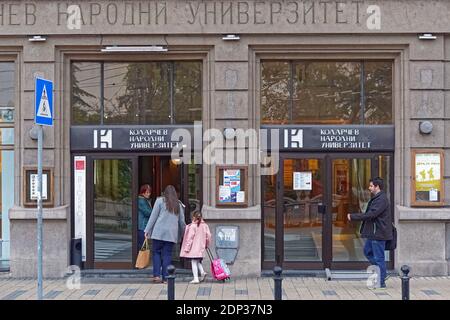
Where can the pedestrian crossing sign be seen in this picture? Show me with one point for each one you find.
(43, 102)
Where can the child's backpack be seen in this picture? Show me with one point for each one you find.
(219, 268)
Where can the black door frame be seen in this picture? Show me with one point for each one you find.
(327, 225)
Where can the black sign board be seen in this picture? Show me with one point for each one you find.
(128, 138)
(334, 138)
(290, 138)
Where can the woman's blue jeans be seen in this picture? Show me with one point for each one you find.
(162, 257)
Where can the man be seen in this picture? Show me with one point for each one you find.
(376, 226)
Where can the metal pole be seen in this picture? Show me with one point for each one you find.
(405, 282)
(171, 283)
(39, 216)
(277, 282)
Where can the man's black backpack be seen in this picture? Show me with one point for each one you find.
(392, 244)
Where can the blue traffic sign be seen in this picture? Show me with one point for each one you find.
(43, 102)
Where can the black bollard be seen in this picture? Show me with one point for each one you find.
(171, 283)
(277, 282)
(405, 282)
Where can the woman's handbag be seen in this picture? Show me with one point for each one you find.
(143, 258)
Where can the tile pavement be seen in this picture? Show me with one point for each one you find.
(294, 288)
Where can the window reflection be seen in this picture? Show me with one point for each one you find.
(269, 209)
(350, 195)
(136, 93)
(327, 92)
(188, 92)
(112, 210)
(86, 82)
(7, 89)
(275, 92)
(378, 89)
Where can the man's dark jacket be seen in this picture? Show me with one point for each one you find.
(377, 223)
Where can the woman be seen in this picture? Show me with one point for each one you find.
(164, 227)
(144, 211)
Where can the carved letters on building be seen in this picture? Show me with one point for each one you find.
(26, 13)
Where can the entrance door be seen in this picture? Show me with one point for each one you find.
(113, 238)
(305, 212)
(302, 193)
(112, 190)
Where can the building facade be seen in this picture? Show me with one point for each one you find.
(325, 93)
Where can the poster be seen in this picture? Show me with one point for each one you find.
(428, 177)
(34, 186)
(302, 180)
(240, 197)
(224, 194)
(232, 179)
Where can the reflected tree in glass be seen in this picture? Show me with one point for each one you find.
(275, 92)
(85, 95)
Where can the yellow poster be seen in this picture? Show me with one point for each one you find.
(428, 171)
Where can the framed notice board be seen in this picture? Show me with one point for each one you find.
(427, 177)
(30, 186)
(231, 186)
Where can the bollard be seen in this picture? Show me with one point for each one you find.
(171, 283)
(405, 282)
(277, 282)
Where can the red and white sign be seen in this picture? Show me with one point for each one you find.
(80, 201)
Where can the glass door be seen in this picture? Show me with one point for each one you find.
(113, 219)
(305, 207)
(350, 194)
(299, 202)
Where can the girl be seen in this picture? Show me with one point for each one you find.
(197, 238)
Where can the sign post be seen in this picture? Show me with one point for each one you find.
(43, 116)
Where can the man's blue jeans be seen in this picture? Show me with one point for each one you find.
(162, 257)
(374, 252)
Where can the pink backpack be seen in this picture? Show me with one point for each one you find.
(219, 268)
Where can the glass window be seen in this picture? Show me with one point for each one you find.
(7, 136)
(275, 92)
(86, 82)
(137, 93)
(188, 92)
(7, 88)
(326, 92)
(378, 93)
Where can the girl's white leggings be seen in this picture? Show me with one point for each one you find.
(196, 267)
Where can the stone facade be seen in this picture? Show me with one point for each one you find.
(267, 29)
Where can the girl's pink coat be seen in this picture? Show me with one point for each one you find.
(195, 240)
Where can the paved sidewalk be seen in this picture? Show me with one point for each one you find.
(294, 288)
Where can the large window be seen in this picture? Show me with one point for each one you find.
(7, 111)
(136, 93)
(338, 92)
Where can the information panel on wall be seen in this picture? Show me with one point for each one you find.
(427, 177)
